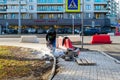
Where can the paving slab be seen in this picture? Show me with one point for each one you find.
(105, 68)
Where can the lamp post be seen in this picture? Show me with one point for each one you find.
(73, 24)
(93, 23)
(19, 18)
(82, 21)
(7, 27)
(0, 29)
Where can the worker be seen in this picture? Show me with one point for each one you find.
(51, 38)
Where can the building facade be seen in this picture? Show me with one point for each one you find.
(113, 11)
(45, 13)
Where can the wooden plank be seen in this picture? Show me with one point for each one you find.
(84, 62)
(79, 61)
(90, 62)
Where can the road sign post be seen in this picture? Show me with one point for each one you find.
(72, 6)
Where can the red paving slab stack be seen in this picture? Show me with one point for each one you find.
(68, 44)
(101, 39)
(59, 41)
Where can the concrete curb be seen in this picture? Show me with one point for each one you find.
(53, 69)
(114, 59)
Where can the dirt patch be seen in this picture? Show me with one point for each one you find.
(18, 63)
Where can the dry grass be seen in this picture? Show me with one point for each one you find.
(14, 64)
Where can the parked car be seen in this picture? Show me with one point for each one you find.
(105, 31)
(76, 31)
(12, 31)
(41, 31)
(24, 31)
(90, 31)
(31, 30)
(60, 31)
(67, 31)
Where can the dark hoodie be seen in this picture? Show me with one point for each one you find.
(51, 35)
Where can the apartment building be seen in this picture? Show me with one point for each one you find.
(45, 13)
(113, 11)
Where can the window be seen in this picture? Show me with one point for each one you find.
(5, 16)
(99, 7)
(30, 0)
(31, 16)
(41, 16)
(60, 1)
(13, 0)
(13, 7)
(60, 16)
(12, 16)
(88, 7)
(88, 15)
(50, 8)
(87, 0)
(24, 16)
(77, 16)
(51, 16)
(100, 0)
(31, 7)
(97, 16)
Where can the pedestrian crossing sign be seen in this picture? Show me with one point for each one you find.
(72, 5)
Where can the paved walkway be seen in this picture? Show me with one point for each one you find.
(105, 68)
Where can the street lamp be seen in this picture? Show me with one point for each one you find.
(7, 24)
(82, 21)
(0, 29)
(93, 23)
(73, 23)
(19, 18)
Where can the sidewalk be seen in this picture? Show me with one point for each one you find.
(35, 46)
(105, 68)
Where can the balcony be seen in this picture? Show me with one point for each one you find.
(16, 10)
(49, 3)
(49, 11)
(101, 11)
(23, 2)
(100, 2)
(3, 10)
(16, 2)
(2, 2)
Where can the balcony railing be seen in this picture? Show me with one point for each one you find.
(49, 3)
(2, 2)
(16, 2)
(100, 2)
(49, 11)
(3, 9)
(16, 10)
(101, 10)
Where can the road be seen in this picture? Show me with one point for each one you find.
(111, 49)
